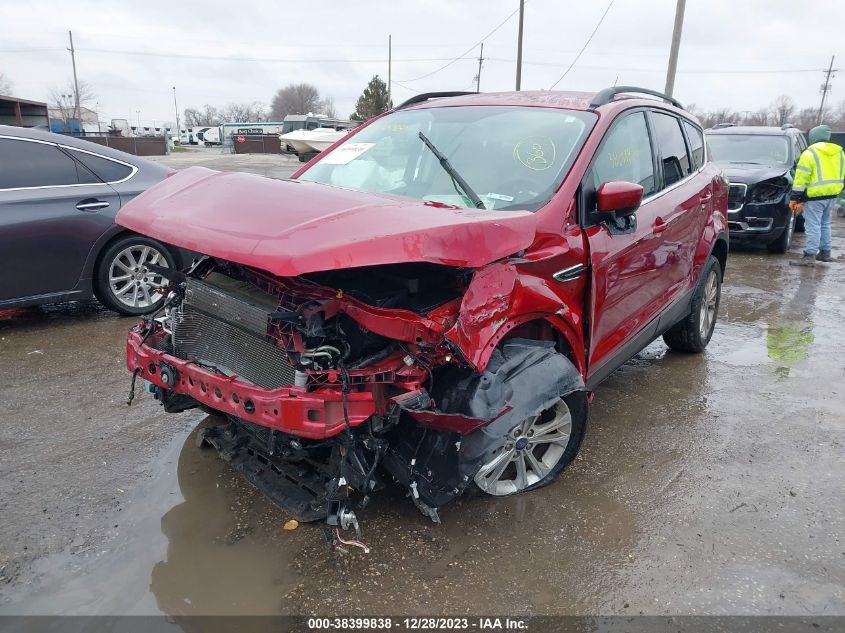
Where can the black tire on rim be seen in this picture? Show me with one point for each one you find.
(784, 240)
(693, 332)
(537, 450)
(122, 280)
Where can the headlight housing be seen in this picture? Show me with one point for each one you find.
(769, 191)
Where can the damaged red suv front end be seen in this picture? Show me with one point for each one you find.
(418, 307)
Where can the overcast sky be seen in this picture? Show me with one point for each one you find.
(216, 51)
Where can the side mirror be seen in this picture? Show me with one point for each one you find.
(619, 197)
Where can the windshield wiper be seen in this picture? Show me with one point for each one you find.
(453, 174)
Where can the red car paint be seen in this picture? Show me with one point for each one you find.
(620, 288)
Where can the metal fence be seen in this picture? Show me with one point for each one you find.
(138, 145)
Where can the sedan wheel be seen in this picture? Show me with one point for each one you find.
(532, 451)
(131, 282)
(124, 280)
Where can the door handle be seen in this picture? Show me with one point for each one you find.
(91, 204)
(659, 225)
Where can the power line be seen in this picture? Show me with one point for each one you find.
(280, 60)
(586, 44)
(465, 53)
(702, 71)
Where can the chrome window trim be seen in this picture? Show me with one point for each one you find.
(134, 168)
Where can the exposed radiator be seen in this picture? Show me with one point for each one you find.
(223, 323)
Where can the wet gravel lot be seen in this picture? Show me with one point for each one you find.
(709, 484)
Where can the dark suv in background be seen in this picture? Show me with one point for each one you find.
(760, 164)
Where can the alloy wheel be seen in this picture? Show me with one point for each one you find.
(531, 452)
(709, 304)
(130, 280)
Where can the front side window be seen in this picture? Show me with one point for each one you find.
(671, 147)
(511, 157)
(625, 154)
(749, 149)
(29, 164)
(696, 145)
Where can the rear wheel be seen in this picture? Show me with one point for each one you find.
(537, 450)
(123, 281)
(782, 243)
(693, 332)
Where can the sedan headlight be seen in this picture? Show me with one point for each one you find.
(770, 190)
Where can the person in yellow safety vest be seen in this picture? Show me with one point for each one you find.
(819, 178)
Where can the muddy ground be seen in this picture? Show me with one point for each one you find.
(709, 484)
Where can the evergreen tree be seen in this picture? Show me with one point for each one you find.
(373, 101)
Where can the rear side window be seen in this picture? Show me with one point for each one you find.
(105, 169)
(670, 147)
(798, 149)
(626, 154)
(29, 164)
(696, 145)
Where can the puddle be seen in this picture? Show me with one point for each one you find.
(186, 546)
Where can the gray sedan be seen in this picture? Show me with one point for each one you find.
(58, 240)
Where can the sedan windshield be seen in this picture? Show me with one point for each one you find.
(512, 157)
(749, 148)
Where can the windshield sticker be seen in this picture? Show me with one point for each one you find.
(537, 152)
(346, 153)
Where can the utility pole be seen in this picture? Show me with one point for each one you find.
(389, 69)
(519, 46)
(825, 88)
(676, 44)
(176, 107)
(75, 81)
(478, 76)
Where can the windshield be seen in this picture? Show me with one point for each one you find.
(749, 148)
(512, 157)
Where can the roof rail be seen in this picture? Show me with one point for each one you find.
(425, 96)
(724, 124)
(606, 95)
(786, 126)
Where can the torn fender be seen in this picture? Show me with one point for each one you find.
(523, 378)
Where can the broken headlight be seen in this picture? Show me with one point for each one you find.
(770, 191)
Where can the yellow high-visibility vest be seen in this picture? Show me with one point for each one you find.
(820, 171)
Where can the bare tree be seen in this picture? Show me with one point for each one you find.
(64, 102)
(244, 112)
(759, 117)
(300, 98)
(5, 85)
(837, 117)
(328, 107)
(198, 117)
(807, 118)
(783, 110)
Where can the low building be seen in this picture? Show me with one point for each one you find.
(23, 112)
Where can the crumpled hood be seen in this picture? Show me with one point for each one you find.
(289, 227)
(751, 173)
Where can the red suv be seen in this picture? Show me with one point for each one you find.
(432, 300)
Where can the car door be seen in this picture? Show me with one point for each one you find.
(52, 210)
(627, 283)
(684, 199)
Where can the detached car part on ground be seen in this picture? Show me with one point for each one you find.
(433, 300)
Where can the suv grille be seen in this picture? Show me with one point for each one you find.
(736, 196)
(229, 332)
